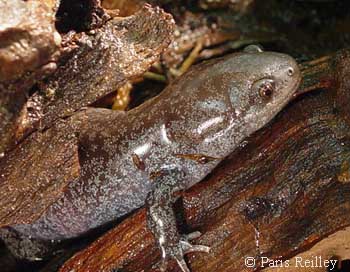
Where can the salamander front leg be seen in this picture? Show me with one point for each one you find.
(162, 221)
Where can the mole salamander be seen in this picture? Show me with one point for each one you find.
(167, 145)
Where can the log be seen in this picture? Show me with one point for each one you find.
(286, 188)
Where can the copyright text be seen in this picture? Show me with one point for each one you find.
(297, 262)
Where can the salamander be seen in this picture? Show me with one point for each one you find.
(167, 145)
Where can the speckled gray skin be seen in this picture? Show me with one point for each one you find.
(167, 144)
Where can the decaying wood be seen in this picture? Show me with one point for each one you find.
(285, 189)
(106, 59)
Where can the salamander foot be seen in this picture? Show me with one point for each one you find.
(177, 252)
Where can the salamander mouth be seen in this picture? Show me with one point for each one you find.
(293, 92)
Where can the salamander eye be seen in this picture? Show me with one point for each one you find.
(266, 89)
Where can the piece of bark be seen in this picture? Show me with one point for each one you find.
(107, 58)
(286, 188)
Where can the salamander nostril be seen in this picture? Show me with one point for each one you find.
(290, 71)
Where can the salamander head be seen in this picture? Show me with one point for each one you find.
(271, 79)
